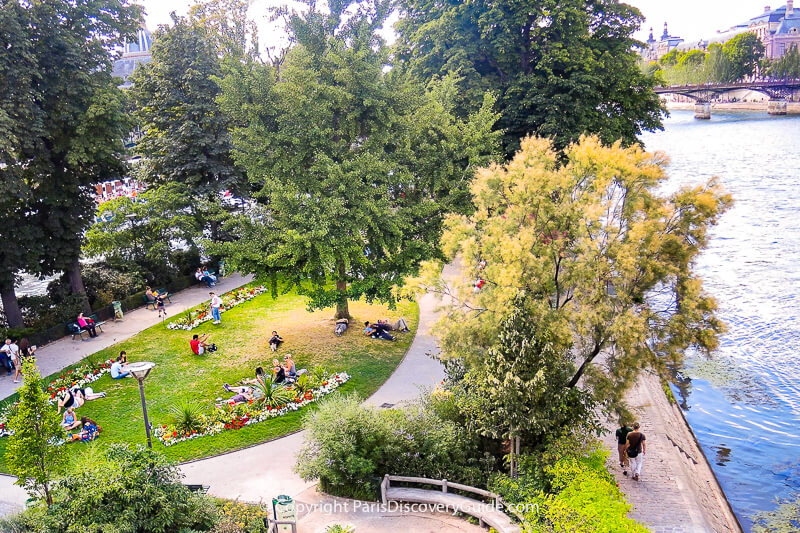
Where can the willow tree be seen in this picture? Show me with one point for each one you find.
(354, 165)
(595, 248)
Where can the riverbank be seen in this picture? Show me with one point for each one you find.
(678, 491)
(792, 108)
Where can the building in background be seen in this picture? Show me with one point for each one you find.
(778, 29)
(133, 53)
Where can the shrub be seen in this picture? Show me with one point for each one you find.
(575, 495)
(103, 283)
(337, 528)
(186, 416)
(121, 489)
(238, 517)
(41, 312)
(350, 447)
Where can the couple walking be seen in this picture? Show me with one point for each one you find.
(631, 448)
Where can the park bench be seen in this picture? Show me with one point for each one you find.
(198, 489)
(75, 330)
(486, 514)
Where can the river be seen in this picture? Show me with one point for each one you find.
(744, 402)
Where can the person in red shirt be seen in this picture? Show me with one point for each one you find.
(199, 343)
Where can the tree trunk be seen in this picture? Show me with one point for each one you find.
(511, 442)
(76, 284)
(11, 307)
(342, 309)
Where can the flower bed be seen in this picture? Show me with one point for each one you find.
(192, 318)
(224, 419)
(77, 377)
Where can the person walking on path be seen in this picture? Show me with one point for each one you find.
(216, 303)
(622, 441)
(636, 448)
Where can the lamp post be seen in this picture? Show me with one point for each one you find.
(140, 372)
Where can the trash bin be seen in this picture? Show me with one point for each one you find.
(283, 510)
(117, 310)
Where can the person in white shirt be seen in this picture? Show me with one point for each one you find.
(11, 350)
(216, 303)
(118, 370)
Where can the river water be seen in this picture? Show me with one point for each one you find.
(744, 403)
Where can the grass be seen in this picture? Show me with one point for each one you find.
(242, 341)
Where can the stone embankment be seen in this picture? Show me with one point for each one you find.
(678, 491)
(792, 108)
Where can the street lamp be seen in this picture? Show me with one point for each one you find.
(140, 372)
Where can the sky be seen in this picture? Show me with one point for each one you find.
(689, 19)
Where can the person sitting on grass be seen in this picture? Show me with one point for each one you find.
(275, 341)
(89, 432)
(278, 372)
(199, 343)
(398, 325)
(123, 357)
(376, 331)
(118, 370)
(288, 366)
(68, 421)
(76, 397)
(258, 379)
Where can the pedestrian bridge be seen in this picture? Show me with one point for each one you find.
(779, 91)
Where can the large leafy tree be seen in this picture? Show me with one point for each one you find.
(354, 165)
(596, 248)
(186, 135)
(560, 68)
(745, 53)
(61, 122)
(35, 453)
(787, 66)
(520, 389)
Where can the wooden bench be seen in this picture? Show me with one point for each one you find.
(76, 331)
(487, 514)
(148, 302)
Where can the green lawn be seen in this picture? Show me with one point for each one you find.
(242, 340)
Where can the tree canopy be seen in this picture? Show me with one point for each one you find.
(558, 68)
(596, 249)
(354, 165)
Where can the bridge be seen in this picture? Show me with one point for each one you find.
(779, 91)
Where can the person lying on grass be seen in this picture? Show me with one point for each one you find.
(68, 421)
(76, 397)
(398, 325)
(241, 394)
(375, 331)
(90, 431)
(341, 327)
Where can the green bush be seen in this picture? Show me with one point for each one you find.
(350, 447)
(120, 489)
(238, 517)
(41, 312)
(575, 494)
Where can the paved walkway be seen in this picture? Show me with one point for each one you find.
(65, 351)
(677, 491)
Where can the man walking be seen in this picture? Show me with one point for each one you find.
(216, 303)
(636, 449)
(622, 442)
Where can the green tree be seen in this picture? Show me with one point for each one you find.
(354, 165)
(520, 389)
(787, 66)
(120, 488)
(187, 137)
(719, 67)
(65, 105)
(140, 233)
(34, 452)
(596, 247)
(559, 68)
(745, 53)
(671, 58)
